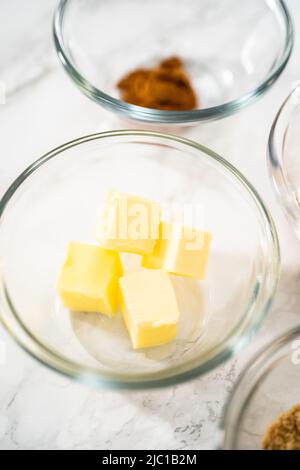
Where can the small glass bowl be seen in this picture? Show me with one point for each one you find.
(234, 51)
(284, 157)
(57, 200)
(268, 387)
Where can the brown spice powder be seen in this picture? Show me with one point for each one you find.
(284, 433)
(165, 87)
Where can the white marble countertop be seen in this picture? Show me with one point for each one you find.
(42, 410)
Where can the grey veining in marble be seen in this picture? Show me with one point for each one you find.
(42, 410)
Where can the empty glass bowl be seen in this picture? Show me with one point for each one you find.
(58, 199)
(284, 157)
(233, 50)
(268, 387)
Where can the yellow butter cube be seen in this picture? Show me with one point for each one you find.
(180, 250)
(89, 277)
(149, 308)
(156, 259)
(187, 252)
(128, 224)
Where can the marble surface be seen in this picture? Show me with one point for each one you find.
(42, 410)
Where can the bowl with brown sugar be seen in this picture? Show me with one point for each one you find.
(160, 61)
(263, 412)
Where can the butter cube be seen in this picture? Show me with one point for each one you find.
(187, 252)
(156, 259)
(180, 250)
(128, 224)
(149, 308)
(89, 277)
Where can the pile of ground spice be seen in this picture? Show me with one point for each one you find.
(165, 87)
(284, 433)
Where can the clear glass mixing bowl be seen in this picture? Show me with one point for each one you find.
(234, 50)
(268, 387)
(284, 157)
(57, 199)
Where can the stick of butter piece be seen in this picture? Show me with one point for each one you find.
(156, 259)
(180, 250)
(149, 308)
(129, 224)
(88, 279)
(187, 252)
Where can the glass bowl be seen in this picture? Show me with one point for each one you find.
(268, 387)
(57, 200)
(234, 50)
(283, 157)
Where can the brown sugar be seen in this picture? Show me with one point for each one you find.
(284, 433)
(165, 87)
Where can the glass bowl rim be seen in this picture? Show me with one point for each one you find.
(237, 338)
(170, 117)
(254, 365)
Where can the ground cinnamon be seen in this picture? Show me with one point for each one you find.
(284, 433)
(165, 87)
